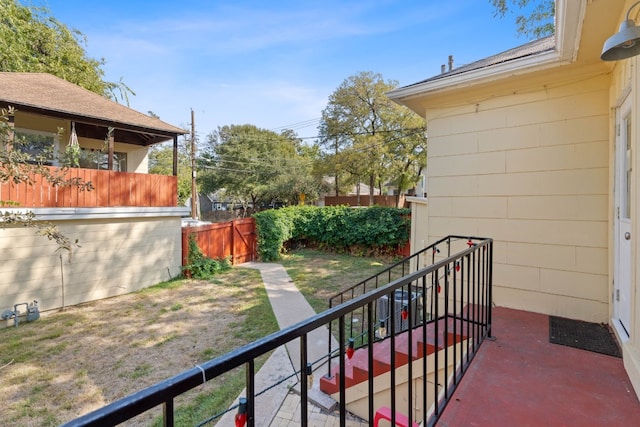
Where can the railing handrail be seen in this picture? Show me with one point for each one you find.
(412, 257)
(164, 391)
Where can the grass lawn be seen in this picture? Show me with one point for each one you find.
(74, 361)
(320, 275)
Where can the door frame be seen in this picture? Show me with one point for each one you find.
(623, 219)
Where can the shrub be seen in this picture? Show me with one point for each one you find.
(200, 266)
(338, 228)
(274, 228)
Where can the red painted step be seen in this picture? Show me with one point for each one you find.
(357, 368)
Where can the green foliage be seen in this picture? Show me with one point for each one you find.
(534, 18)
(274, 228)
(161, 163)
(72, 156)
(33, 41)
(258, 166)
(339, 228)
(201, 267)
(368, 138)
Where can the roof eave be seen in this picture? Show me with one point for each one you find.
(95, 120)
(569, 19)
(484, 75)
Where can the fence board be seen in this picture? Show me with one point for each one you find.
(110, 189)
(234, 239)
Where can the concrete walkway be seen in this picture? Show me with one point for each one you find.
(277, 407)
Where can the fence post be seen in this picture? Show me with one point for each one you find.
(233, 242)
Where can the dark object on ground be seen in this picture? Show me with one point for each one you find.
(588, 336)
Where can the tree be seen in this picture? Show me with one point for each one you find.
(33, 41)
(366, 136)
(535, 18)
(257, 166)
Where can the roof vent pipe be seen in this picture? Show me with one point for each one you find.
(450, 62)
(442, 68)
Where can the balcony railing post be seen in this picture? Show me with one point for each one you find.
(392, 355)
(168, 413)
(341, 355)
(329, 341)
(490, 290)
(251, 392)
(370, 340)
(304, 378)
(437, 339)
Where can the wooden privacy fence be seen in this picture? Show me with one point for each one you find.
(110, 189)
(234, 239)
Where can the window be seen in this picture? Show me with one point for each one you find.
(97, 159)
(42, 147)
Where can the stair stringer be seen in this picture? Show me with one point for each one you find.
(357, 396)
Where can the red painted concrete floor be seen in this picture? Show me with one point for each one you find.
(521, 379)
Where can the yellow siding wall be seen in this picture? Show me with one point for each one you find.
(531, 171)
(116, 256)
(419, 229)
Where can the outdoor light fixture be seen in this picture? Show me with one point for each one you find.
(382, 330)
(625, 43)
(309, 375)
(350, 349)
(241, 415)
(405, 312)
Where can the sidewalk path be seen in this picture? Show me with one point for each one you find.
(289, 308)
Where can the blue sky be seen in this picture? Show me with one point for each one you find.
(273, 63)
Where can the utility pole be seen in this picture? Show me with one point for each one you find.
(194, 191)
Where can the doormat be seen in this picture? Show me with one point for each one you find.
(588, 336)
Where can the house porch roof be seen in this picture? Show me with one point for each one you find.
(48, 95)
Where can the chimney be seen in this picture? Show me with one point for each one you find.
(442, 68)
(450, 62)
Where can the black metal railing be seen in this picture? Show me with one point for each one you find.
(386, 307)
(458, 313)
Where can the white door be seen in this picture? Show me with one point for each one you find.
(623, 237)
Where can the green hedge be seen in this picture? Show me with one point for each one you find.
(339, 228)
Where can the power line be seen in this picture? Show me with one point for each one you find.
(299, 125)
(278, 137)
(254, 161)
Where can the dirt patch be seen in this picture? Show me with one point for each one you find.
(74, 361)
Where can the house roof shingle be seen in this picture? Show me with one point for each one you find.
(535, 47)
(50, 95)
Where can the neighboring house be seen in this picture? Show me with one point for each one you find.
(128, 227)
(536, 148)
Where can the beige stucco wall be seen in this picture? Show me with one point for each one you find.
(116, 256)
(530, 170)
